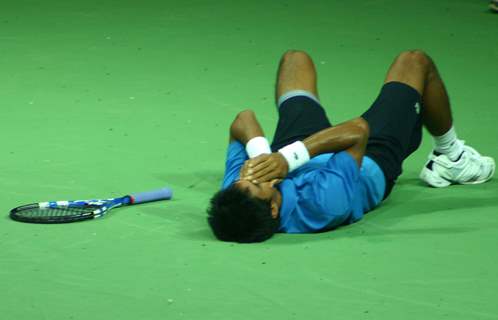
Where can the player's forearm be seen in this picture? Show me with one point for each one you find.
(245, 127)
(351, 136)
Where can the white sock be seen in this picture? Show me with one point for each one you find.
(449, 144)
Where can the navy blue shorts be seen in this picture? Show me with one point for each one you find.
(299, 116)
(395, 129)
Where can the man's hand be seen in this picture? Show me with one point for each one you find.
(264, 168)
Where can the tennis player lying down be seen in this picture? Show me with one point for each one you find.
(317, 177)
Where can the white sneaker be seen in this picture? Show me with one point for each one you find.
(470, 168)
(494, 5)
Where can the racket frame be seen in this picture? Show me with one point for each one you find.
(102, 206)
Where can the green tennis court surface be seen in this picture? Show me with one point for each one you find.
(99, 99)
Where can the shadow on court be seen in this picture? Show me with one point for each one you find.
(187, 212)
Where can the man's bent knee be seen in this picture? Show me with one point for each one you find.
(293, 55)
(414, 58)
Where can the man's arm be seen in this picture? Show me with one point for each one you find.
(245, 126)
(243, 129)
(350, 136)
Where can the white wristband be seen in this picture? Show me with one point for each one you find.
(257, 146)
(296, 154)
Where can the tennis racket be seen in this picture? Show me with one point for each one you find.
(78, 210)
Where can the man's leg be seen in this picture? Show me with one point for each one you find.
(417, 70)
(451, 161)
(296, 72)
(296, 95)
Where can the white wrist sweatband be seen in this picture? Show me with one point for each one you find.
(257, 146)
(296, 154)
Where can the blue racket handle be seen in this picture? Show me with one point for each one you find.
(148, 196)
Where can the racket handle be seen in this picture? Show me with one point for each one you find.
(148, 196)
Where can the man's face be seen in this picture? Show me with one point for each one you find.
(264, 191)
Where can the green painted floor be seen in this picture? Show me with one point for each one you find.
(103, 98)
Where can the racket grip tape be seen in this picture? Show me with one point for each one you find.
(148, 196)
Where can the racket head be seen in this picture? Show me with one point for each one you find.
(36, 213)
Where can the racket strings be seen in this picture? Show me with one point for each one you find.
(56, 212)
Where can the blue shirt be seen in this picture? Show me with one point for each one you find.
(328, 191)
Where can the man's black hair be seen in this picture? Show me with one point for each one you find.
(236, 216)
